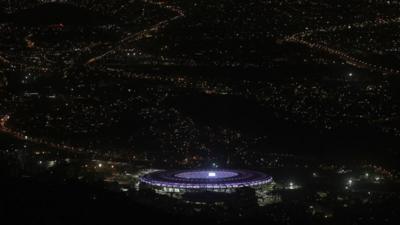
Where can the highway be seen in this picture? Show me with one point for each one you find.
(300, 38)
(143, 33)
(24, 137)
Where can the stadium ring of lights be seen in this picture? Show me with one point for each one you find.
(206, 179)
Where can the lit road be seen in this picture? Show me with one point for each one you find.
(299, 38)
(24, 137)
(141, 34)
(58, 146)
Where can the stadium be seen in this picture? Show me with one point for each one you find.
(204, 180)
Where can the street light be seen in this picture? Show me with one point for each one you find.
(350, 182)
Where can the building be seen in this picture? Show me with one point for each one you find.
(218, 180)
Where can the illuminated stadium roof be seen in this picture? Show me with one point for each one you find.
(206, 179)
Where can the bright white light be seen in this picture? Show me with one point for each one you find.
(212, 174)
(315, 174)
(350, 181)
(100, 165)
(51, 163)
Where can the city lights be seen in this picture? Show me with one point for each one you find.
(200, 112)
(211, 174)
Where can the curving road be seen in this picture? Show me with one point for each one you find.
(299, 38)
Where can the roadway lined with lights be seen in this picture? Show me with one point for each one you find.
(134, 37)
(144, 33)
(24, 137)
(113, 49)
(299, 39)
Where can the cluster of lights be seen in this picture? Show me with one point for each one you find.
(199, 179)
(350, 182)
(292, 185)
(212, 174)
